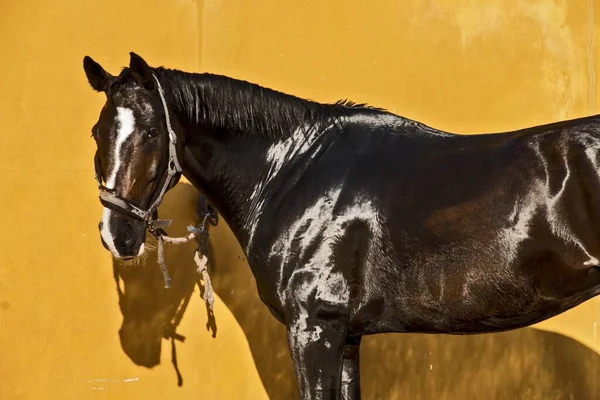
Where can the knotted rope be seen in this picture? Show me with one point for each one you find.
(200, 235)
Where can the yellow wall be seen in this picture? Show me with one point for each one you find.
(465, 66)
(59, 312)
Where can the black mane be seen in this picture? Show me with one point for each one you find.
(221, 102)
(352, 104)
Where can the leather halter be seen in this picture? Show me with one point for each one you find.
(109, 199)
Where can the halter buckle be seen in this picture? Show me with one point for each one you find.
(160, 223)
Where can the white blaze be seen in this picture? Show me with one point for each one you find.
(126, 126)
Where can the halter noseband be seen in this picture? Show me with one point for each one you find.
(109, 199)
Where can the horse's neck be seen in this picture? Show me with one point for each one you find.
(227, 172)
(233, 166)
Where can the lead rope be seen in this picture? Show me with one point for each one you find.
(196, 233)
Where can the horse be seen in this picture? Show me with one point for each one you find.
(354, 220)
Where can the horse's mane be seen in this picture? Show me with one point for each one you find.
(221, 102)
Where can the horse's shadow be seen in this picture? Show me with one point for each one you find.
(525, 363)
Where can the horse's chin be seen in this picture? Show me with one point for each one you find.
(125, 258)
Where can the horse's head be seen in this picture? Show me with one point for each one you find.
(135, 160)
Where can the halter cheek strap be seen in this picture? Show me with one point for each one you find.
(110, 200)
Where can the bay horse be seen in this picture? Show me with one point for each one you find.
(356, 221)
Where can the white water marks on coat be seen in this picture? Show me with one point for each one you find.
(541, 197)
(320, 224)
(277, 155)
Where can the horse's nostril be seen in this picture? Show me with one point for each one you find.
(129, 235)
(100, 225)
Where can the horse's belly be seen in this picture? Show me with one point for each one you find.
(486, 304)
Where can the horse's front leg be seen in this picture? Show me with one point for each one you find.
(351, 369)
(317, 324)
(317, 348)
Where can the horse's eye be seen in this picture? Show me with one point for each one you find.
(152, 133)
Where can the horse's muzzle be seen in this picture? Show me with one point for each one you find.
(127, 237)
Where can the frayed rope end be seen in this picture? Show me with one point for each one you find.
(201, 263)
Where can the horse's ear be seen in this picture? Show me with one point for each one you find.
(141, 71)
(97, 76)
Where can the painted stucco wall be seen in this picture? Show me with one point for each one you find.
(466, 66)
(59, 305)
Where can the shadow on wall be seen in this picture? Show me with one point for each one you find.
(521, 364)
(152, 313)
